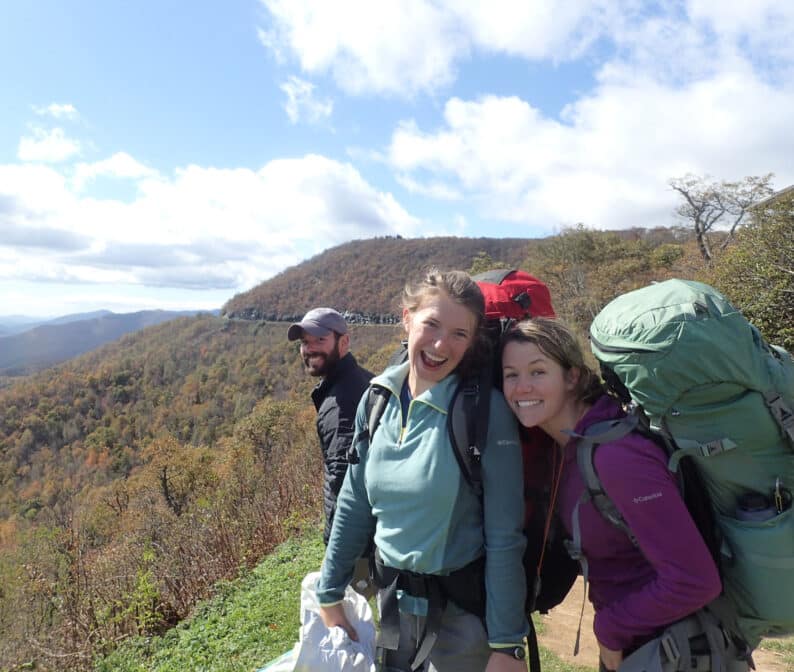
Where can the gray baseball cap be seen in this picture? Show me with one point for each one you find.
(318, 322)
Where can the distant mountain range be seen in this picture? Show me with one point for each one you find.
(16, 324)
(28, 345)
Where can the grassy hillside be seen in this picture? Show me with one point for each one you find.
(252, 621)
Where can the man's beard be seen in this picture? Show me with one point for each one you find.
(325, 365)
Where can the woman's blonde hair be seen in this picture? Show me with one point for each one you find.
(459, 287)
(558, 342)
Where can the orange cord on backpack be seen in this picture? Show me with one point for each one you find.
(555, 488)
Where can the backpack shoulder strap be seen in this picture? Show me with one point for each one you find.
(602, 432)
(374, 405)
(467, 423)
(399, 356)
(596, 434)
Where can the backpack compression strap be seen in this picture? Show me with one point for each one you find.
(782, 413)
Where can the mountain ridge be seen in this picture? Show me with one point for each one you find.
(363, 278)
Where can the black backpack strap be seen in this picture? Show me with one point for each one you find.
(427, 586)
(495, 277)
(533, 648)
(375, 404)
(399, 356)
(467, 423)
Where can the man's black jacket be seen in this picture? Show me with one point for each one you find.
(336, 399)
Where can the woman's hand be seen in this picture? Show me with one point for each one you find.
(335, 616)
(609, 657)
(500, 662)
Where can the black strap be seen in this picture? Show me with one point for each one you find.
(465, 587)
(426, 586)
(495, 276)
(467, 424)
(377, 397)
(436, 604)
(532, 646)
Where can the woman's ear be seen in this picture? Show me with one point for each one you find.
(572, 377)
(406, 320)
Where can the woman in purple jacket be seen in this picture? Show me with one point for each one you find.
(636, 590)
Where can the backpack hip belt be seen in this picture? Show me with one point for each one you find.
(464, 587)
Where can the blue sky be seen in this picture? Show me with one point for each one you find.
(170, 154)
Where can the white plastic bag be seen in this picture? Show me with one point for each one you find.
(324, 650)
(284, 663)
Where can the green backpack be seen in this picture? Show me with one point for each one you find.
(721, 399)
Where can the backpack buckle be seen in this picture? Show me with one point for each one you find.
(471, 390)
(574, 550)
(715, 447)
(782, 413)
(670, 648)
(524, 300)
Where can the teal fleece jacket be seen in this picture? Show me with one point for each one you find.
(409, 490)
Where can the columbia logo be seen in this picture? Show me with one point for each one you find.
(647, 498)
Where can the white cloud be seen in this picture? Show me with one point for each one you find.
(417, 45)
(120, 165)
(437, 190)
(386, 47)
(735, 17)
(200, 228)
(47, 146)
(302, 103)
(607, 164)
(535, 30)
(57, 111)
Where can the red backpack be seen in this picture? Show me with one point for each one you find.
(511, 296)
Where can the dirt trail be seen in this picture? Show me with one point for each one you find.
(560, 635)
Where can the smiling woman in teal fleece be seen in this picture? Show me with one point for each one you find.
(409, 491)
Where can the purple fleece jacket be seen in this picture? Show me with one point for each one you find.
(636, 593)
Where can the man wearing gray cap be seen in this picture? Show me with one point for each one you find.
(325, 350)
